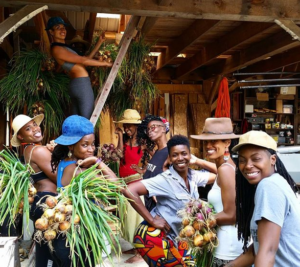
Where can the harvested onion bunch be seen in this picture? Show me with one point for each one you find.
(81, 209)
(16, 190)
(199, 229)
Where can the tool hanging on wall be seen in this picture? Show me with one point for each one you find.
(223, 103)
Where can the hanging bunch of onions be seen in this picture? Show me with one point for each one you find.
(16, 191)
(80, 209)
(199, 229)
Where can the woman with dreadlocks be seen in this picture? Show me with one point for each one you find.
(267, 207)
(132, 153)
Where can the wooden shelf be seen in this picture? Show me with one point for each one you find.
(269, 113)
(279, 130)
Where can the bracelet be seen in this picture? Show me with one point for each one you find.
(98, 161)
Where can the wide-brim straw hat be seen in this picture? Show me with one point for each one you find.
(130, 116)
(257, 138)
(20, 121)
(217, 129)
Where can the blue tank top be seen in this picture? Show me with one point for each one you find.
(67, 66)
(60, 170)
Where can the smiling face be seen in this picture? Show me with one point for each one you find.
(215, 148)
(30, 133)
(84, 148)
(58, 32)
(155, 130)
(130, 129)
(180, 157)
(256, 163)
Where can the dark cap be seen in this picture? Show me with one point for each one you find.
(73, 129)
(54, 21)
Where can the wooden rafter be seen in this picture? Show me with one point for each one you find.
(290, 27)
(40, 26)
(92, 22)
(271, 46)
(148, 24)
(236, 10)
(12, 23)
(126, 39)
(214, 89)
(241, 34)
(164, 2)
(192, 34)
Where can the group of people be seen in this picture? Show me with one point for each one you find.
(255, 197)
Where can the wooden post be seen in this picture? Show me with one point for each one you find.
(126, 39)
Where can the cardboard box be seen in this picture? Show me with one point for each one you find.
(288, 90)
(249, 109)
(279, 106)
(287, 109)
(262, 96)
(285, 97)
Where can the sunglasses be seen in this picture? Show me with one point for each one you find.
(153, 127)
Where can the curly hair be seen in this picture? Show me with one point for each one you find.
(142, 137)
(178, 140)
(245, 193)
(59, 153)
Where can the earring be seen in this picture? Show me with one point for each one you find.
(70, 154)
(226, 154)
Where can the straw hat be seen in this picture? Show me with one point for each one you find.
(217, 129)
(257, 138)
(130, 116)
(78, 39)
(19, 122)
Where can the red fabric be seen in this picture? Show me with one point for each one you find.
(131, 156)
(223, 103)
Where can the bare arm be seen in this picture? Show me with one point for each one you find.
(41, 157)
(268, 235)
(97, 46)
(226, 181)
(244, 260)
(61, 55)
(211, 167)
(133, 192)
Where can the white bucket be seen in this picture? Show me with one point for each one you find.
(108, 247)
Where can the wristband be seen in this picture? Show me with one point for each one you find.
(98, 161)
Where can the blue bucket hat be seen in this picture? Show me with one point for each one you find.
(73, 129)
(54, 21)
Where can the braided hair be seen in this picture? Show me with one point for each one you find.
(245, 193)
(59, 153)
(142, 137)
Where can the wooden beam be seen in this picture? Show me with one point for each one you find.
(21, 16)
(270, 46)
(232, 10)
(179, 88)
(231, 89)
(284, 59)
(214, 89)
(192, 34)
(122, 25)
(40, 26)
(164, 2)
(167, 75)
(290, 27)
(238, 36)
(126, 39)
(148, 25)
(92, 22)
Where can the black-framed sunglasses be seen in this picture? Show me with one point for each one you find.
(152, 128)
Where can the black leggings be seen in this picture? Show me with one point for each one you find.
(82, 97)
(43, 257)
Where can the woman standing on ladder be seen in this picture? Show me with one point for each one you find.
(80, 88)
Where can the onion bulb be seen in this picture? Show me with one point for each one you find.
(49, 213)
(198, 225)
(51, 202)
(49, 234)
(41, 224)
(59, 217)
(64, 226)
(185, 221)
(181, 234)
(198, 240)
(189, 231)
(212, 222)
(30, 200)
(60, 208)
(76, 219)
(32, 191)
(21, 205)
(69, 209)
(208, 236)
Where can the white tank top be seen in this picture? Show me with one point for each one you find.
(229, 247)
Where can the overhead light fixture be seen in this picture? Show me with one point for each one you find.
(181, 55)
(154, 54)
(108, 16)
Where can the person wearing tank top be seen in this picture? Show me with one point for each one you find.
(27, 132)
(76, 146)
(217, 135)
(80, 88)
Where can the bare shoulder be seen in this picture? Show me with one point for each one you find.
(225, 172)
(40, 151)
